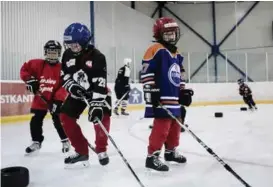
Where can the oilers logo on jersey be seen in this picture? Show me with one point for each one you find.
(174, 75)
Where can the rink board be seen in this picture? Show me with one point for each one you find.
(16, 101)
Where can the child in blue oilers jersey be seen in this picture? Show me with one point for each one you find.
(161, 78)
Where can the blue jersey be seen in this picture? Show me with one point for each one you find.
(163, 68)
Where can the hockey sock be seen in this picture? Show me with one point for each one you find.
(123, 105)
(101, 138)
(74, 133)
(36, 124)
(58, 126)
(173, 136)
(158, 134)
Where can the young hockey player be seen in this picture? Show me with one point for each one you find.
(42, 78)
(84, 75)
(246, 92)
(122, 87)
(161, 76)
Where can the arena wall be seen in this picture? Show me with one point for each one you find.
(15, 101)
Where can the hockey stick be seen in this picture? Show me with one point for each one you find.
(120, 153)
(208, 149)
(118, 102)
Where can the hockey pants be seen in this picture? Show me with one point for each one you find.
(165, 131)
(36, 124)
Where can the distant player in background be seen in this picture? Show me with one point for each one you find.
(161, 78)
(246, 92)
(42, 77)
(84, 74)
(122, 87)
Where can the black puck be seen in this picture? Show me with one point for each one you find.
(16, 176)
(218, 114)
(243, 109)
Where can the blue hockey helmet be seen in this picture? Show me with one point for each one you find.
(76, 37)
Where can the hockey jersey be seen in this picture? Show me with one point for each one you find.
(123, 76)
(50, 84)
(163, 68)
(244, 90)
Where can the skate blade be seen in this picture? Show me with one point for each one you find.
(34, 153)
(151, 172)
(172, 164)
(78, 165)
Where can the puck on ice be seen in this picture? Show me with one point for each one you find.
(218, 114)
(16, 176)
(243, 109)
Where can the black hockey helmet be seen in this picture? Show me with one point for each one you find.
(52, 51)
(240, 81)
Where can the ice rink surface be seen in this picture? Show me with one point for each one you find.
(243, 139)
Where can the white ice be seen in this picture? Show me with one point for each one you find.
(243, 139)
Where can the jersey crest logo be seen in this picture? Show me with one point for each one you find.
(174, 75)
(88, 64)
(81, 78)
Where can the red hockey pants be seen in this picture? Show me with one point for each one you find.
(77, 139)
(165, 131)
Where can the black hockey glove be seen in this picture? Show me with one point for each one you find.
(95, 112)
(55, 107)
(151, 95)
(128, 88)
(76, 90)
(185, 97)
(32, 85)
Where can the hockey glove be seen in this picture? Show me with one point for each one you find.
(76, 90)
(55, 107)
(151, 94)
(95, 112)
(128, 88)
(32, 85)
(185, 97)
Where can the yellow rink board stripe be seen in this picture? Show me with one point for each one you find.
(21, 118)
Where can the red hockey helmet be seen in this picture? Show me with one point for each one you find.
(167, 30)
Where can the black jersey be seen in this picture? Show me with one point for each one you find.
(88, 69)
(244, 90)
(123, 76)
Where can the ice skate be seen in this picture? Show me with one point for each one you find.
(116, 111)
(34, 147)
(153, 162)
(76, 159)
(66, 145)
(103, 158)
(173, 155)
(124, 113)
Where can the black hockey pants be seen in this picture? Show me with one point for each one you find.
(36, 124)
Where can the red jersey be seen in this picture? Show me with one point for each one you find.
(49, 78)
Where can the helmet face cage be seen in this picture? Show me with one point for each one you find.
(52, 51)
(171, 35)
(52, 55)
(74, 47)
